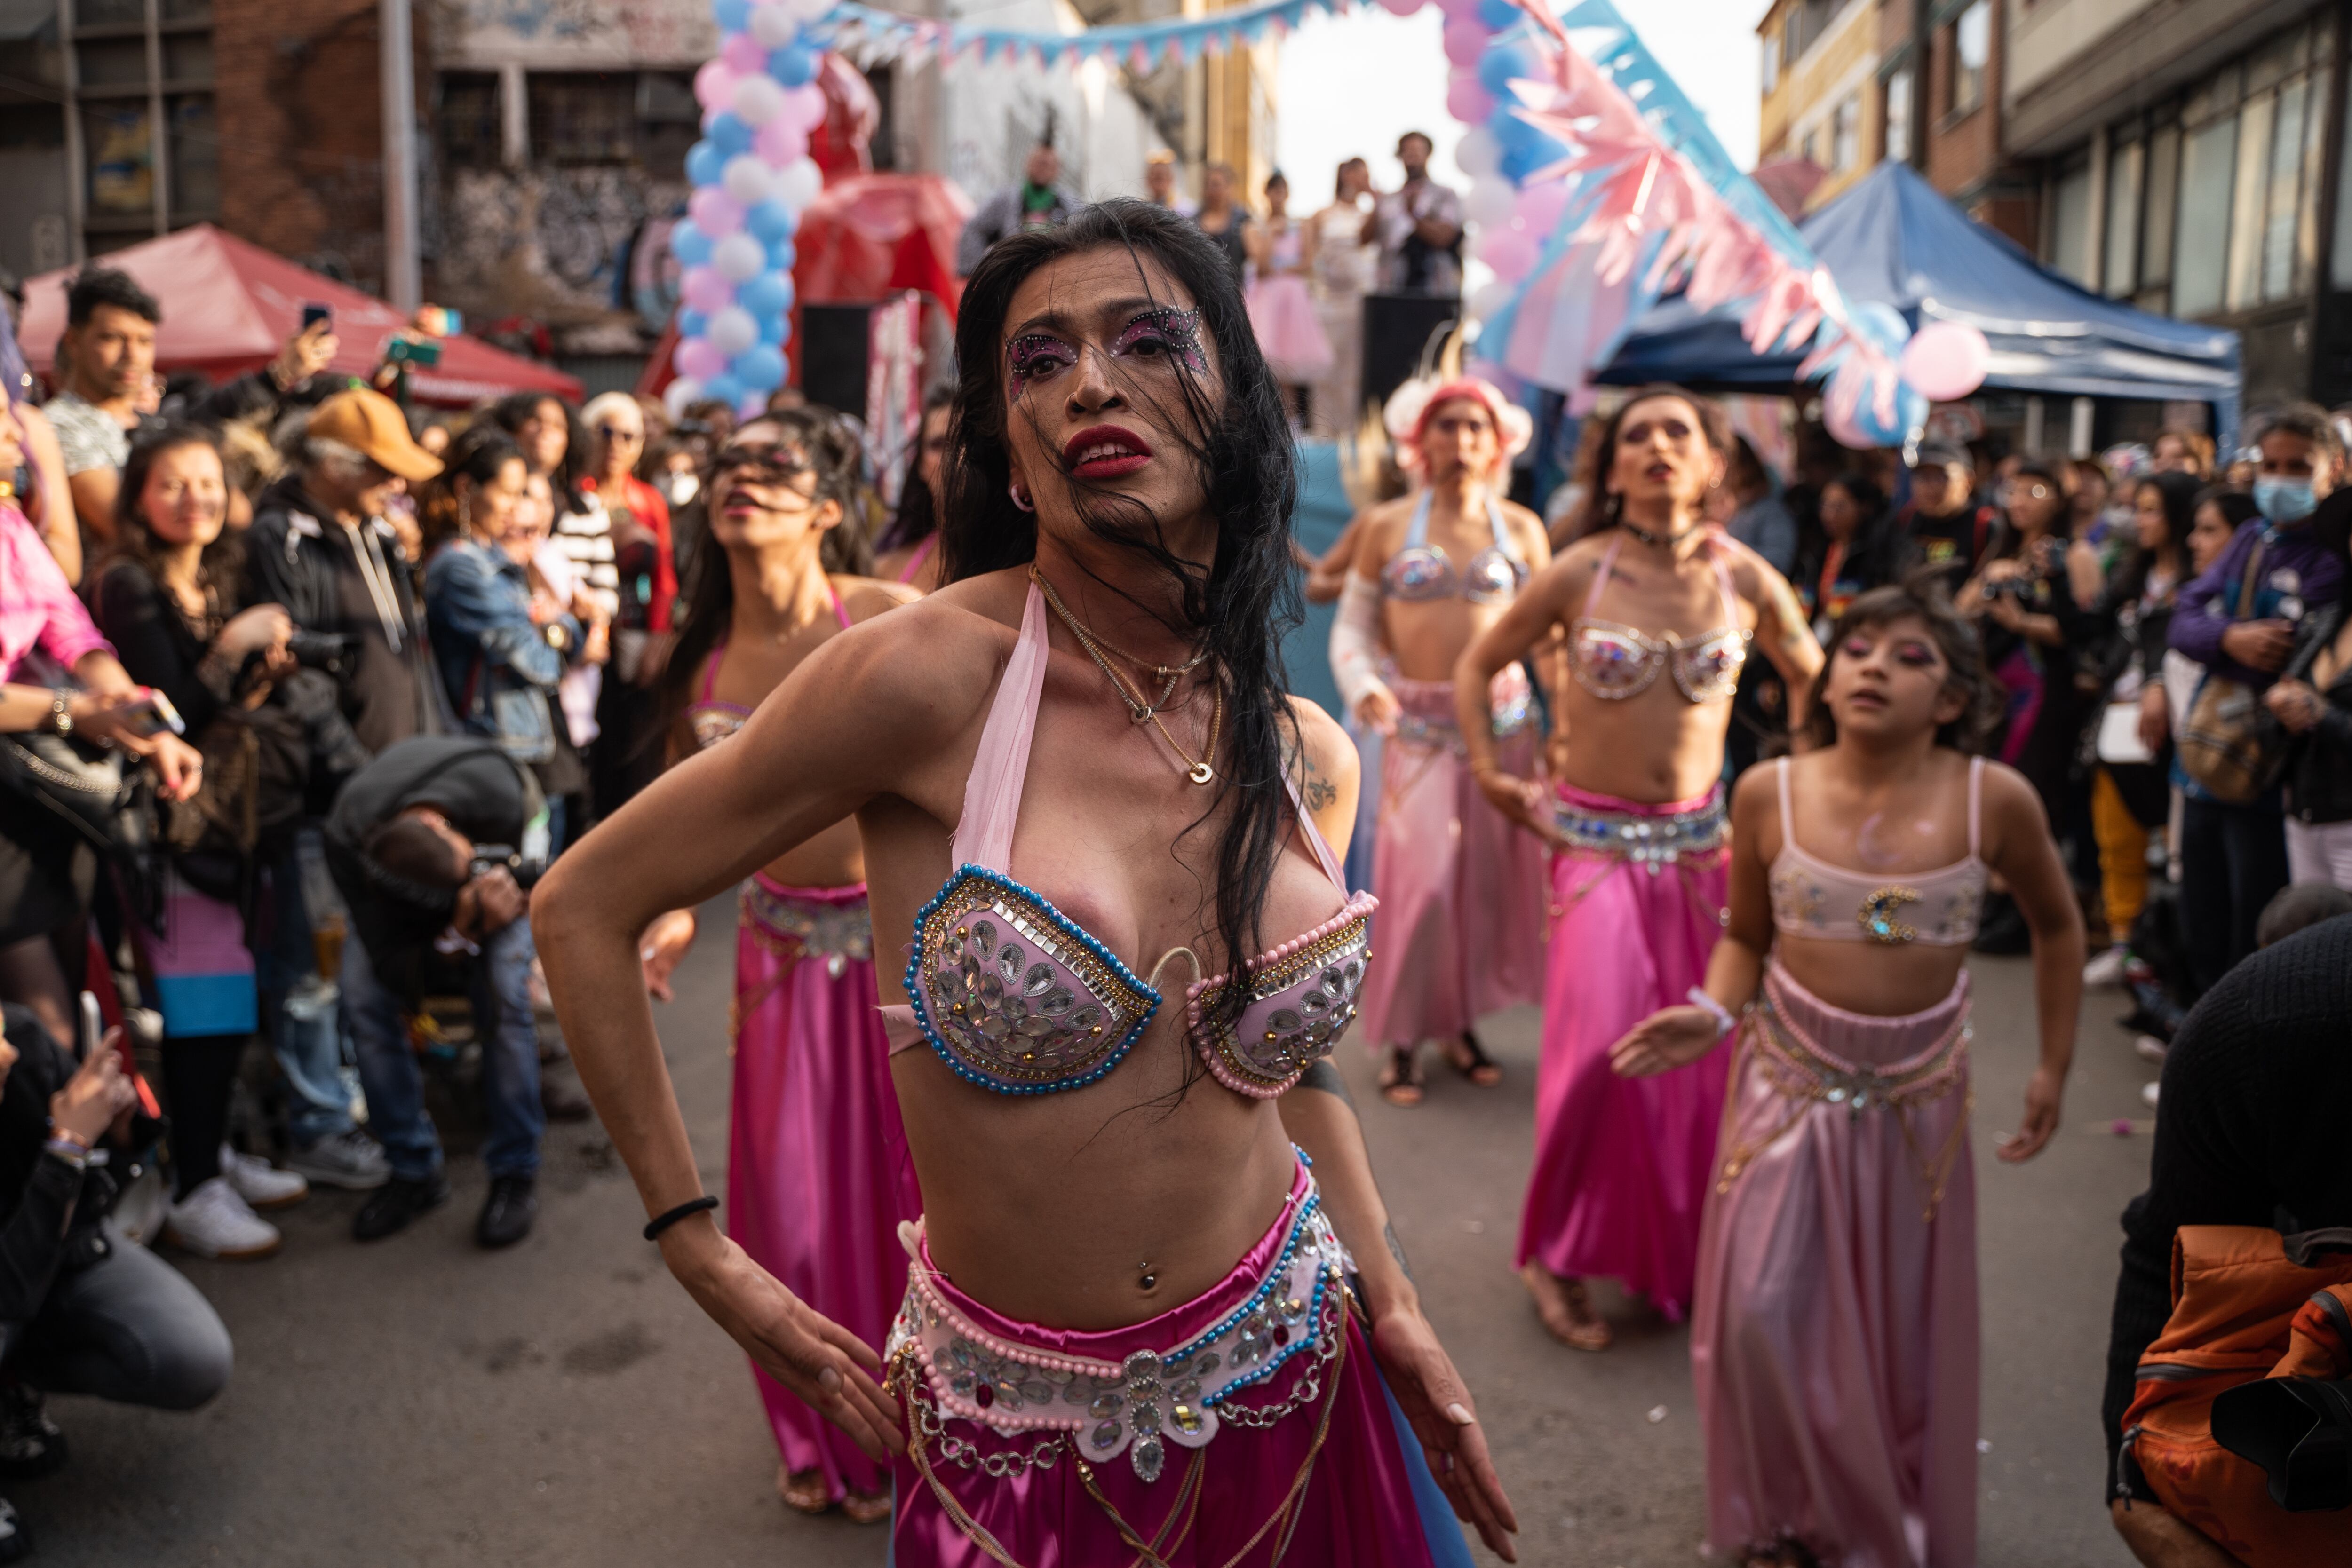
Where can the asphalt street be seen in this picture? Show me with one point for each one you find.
(418, 1402)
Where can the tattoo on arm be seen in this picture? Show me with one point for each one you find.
(1396, 1249)
(1319, 792)
(1325, 1077)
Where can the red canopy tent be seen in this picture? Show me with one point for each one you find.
(229, 307)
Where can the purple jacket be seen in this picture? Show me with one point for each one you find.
(2297, 576)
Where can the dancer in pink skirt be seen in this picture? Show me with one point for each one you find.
(817, 1174)
(1658, 610)
(1153, 1313)
(1835, 1339)
(1461, 884)
(1281, 307)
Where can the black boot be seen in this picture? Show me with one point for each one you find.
(30, 1443)
(507, 1212)
(391, 1206)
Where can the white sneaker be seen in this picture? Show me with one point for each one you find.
(261, 1183)
(351, 1160)
(2148, 1093)
(214, 1222)
(2149, 1048)
(2106, 970)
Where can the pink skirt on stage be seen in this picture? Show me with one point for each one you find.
(1623, 1165)
(1368, 1500)
(1835, 1341)
(1289, 332)
(1460, 931)
(817, 1172)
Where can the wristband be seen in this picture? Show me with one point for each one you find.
(1723, 1021)
(663, 1221)
(70, 1150)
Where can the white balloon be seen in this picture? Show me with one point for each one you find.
(757, 99)
(1491, 299)
(679, 392)
(798, 183)
(1478, 154)
(804, 10)
(737, 257)
(774, 25)
(1491, 201)
(749, 179)
(733, 330)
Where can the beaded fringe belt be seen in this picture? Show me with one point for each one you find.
(1804, 1073)
(1701, 834)
(948, 1369)
(795, 928)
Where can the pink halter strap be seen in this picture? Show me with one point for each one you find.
(922, 553)
(711, 666)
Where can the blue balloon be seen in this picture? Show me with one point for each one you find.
(1497, 15)
(770, 221)
(1510, 133)
(729, 134)
(768, 294)
(774, 330)
(725, 388)
(705, 164)
(1521, 162)
(732, 16)
(794, 65)
(1909, 414)
(1500, 65)
(690, 243)
(760, 368)
(780, 255)
(692, 323)
(1882, 325)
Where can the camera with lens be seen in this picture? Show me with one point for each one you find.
(320, 650)
(2018, 588)
(489, 858)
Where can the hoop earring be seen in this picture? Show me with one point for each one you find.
(1020, 496)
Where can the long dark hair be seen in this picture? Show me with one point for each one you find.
(514, 411)
(221, 566)
(2009, 536)
(2177, 493)
(477, 457)
(1877, 554)
(1241, 606)
(707, 604)
(1599, 508)
(1921, 596)
(917, 518)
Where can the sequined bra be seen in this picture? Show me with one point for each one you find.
(1421, 570)
(714, 721)
(1614, 662)
(1936, 908)
(1017, 998)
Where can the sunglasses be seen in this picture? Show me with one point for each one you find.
(765, 464)
(615, 433)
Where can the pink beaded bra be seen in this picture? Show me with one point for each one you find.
(1614, 661)
(1939, 908)
(1017, 998)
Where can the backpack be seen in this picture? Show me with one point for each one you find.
(2247, 1304)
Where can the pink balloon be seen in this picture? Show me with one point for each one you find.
(699, 358)
(1462, 8)
(714, 212)
(781, 143)
(1401, 7)
(1945, 361)
(706, 289)
(1510, 252)
(804, 105)
(1842, 432)
(1466, 100)
(742, 52)
(714, 84)
(1465, 40)
(1540, 207)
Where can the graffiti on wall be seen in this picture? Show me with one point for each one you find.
(550, 244)
(554, 33)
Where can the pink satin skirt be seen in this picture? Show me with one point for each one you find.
(1834, 1342)
(1623, 1165)
(817, 1172)
(1368, 1499)
(1460, 931)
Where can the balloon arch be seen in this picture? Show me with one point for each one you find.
(1596, 187)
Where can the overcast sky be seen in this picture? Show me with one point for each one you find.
(1352, 85)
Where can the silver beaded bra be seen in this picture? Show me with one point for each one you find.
(1421, 570)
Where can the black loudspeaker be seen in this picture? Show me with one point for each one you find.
(832, 355)
(1397, 329)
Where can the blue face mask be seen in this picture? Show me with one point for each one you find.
(2285, 500)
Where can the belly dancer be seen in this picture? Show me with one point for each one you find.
(1131, 1332)
(1835, 1340)
(817, 1174)
(1461, 884)
(1658, 610)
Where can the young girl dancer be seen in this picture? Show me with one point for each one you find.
(1658, 609)
(1835, 1339)
(1461, 885)
(1129, 1333)
(817, 1178)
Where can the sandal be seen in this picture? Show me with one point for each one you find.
(1468, 1058)
(804, 1490)
(866, 1508)
(1399, 1080)
(1566, 1310)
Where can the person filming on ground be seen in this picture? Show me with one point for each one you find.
(432, 845)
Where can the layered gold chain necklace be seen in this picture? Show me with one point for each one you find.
(1200, 769)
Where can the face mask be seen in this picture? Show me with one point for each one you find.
(681, 489)
(2285, 500)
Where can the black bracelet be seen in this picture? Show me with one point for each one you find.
(661, 1222)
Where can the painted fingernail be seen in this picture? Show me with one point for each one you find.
(1460, 1417)
(829, 1380)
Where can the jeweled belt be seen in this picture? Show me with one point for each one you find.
(840, 934)
(1653, 841)
(1098, 1409)
(1507, 717)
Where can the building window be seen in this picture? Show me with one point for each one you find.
(2070, 220)
(580, 118)
(2157, 211)
(1898, 116)
(2201, 244)
(468, 120)
(1845, 134)
(2126, 164)
(144, 174)
(1771, 54)
(1971, 55)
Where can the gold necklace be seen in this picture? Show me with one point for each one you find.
(1199, 769)
(1169, 673)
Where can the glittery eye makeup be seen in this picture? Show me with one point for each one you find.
(1165, 330)
(1031, 355)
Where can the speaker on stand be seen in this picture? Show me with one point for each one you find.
(831, 354)
(1398, 330)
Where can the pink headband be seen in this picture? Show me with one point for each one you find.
(1409, 408)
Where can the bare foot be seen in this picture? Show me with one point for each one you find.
(804, 1490)
(1565, 1309)
(865, 1508)
(1399, 1080)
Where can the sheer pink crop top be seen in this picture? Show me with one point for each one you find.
(1613, 661)
(1936, 908)
(1017, 998)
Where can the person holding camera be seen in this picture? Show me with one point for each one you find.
(432, 845)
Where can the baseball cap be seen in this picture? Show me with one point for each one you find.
(1941, 454)
(371, 423)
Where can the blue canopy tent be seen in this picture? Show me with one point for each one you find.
(1893, 238)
